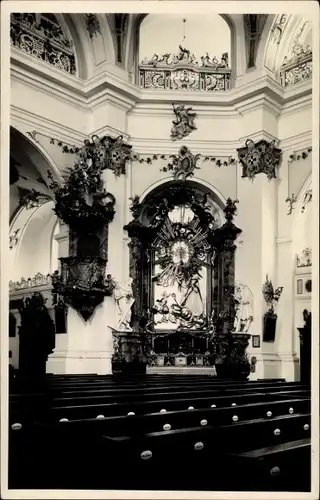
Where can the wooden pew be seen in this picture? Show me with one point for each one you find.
(278, 467)
(122, 462)
(28, 414)
(153, 422)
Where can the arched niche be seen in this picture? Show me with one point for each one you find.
(233, 25)
(46, 37)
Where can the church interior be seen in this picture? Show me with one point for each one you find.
(160, 251)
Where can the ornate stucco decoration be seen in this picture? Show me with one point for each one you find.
(307, 199)
(291, 203)
(92, 25)
(298, 67)
(41, 36)
(279, 27)
(14, 239)
(31, 198)
(262, 157)
(305, 259)
(296, 156)
(183, 165)
(183, 125)
(182, 71)
(108, 152)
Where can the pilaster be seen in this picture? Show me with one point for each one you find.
(257, 257)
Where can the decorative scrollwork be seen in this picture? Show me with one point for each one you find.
(31, 198)
(14, 239)
(41, 36)
(182, 71)
(292, 201)
(307, 199)
(279, 27)
(262, 157)
(183, 165)
(298, 68)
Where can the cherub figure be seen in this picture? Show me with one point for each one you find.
(183, 125)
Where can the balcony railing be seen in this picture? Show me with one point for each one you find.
(184, 73)
(298, 68)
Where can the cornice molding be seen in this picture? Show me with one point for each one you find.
(297, 142)
(282, 241)
(52, 128)
(164, 146)
(108, 87)
(260, 135)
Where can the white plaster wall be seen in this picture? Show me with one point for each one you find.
(34, 249)
(51, 106)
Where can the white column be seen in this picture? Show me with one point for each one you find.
(87, 347)
(285, 347)
(257, 257)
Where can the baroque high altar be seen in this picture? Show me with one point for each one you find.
(181, 306)
(174, 217)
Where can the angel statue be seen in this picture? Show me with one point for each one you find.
(243, 298)
(124, 300)
(183, 125)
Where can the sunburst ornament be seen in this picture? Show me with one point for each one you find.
(181, 249)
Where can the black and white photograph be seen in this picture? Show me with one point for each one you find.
(159, 249)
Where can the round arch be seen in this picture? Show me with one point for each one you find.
(205, 186)
(236, 31)
(40, 157)
(280, 36)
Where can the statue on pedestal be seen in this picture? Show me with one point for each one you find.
(123, 297)
(243, 298)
